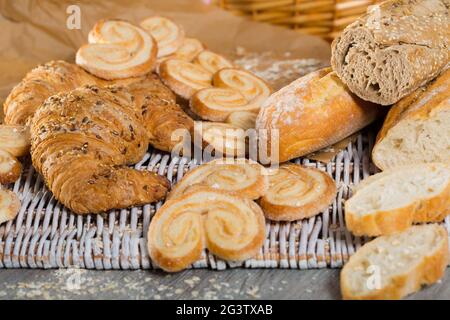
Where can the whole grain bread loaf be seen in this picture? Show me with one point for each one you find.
(394, 49)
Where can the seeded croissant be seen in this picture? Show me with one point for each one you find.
(81, 142)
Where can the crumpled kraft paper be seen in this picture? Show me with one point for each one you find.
(35, 31)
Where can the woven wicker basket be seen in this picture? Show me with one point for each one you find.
(325, 18)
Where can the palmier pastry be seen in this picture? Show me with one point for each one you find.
(116, 50)
(296, 193)
(230, 227)
(211, 61)
(10, 167)
(240, 177)
(223, 138)
(169, 36)
(184, 78)
(243, 119)
(234, 90)
(190, 48)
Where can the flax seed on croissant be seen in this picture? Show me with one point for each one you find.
(81, 142)
(40, 83)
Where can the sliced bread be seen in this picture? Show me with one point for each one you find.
(393, 266)
(417, 128)
(393, 200)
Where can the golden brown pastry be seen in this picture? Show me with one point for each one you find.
(190, 48)
(81, 142)
(234, 90)
(39, 84)
(15, 139)
(165, 121)
(10, 167)
(222, 138)
(231, 227)
(296, 193)
(9, 205)
(212, 61)
(239, 177)
(184, 78)
(117, 50)
(169, 36)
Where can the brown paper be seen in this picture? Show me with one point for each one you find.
(35, 31)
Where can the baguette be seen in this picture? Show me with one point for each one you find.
(391, 201)
(393, 266)
(394, 49)
(417, 128)
(311, 113)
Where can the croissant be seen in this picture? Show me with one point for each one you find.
(166, 122)
(81, 142)
(40, 83)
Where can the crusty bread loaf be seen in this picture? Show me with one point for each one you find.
(417, 128)
(391, 267)
(391, 201)
(397, 47)
(311, 113)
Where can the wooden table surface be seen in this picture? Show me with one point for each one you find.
(190, 284)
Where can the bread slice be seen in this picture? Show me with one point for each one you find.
(417, 128)
(398, 46)
(9, 205)
(393, 266)
(393, 200)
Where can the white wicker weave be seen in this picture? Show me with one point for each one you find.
(47, 235)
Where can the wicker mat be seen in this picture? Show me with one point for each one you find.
(47, 235)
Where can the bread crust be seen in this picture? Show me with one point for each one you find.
(395, 48)
(312, 206)
(428, 271)
(311, 113)
(419, 106)
(384, 222)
